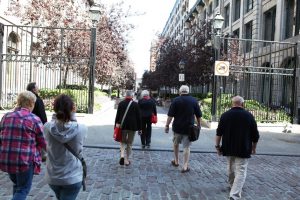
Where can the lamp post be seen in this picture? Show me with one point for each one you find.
(94, 14)
(218, 22)
(181, 68)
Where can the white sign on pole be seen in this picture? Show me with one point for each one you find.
(221, 68)
(181, 77)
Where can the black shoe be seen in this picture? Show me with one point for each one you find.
(143, 146)
(121, 161)
(148, 146)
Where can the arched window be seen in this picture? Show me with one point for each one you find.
(266, 84)
(12, 43)
(287, 82)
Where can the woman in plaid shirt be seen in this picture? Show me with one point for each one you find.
(21, 143)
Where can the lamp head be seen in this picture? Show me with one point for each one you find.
(181, 64)
(218, 21)
(95, 13)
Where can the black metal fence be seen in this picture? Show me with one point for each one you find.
(57, 59)
(263, 72)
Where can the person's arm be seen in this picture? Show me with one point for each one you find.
(254, 147)
(169, 120)
(39, 136)
(198, 121)
(218, 146)
(40, 109)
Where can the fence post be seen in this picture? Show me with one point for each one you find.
(1, 57)
(92, 69)
(295, 114)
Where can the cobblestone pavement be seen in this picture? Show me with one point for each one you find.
(151, 176)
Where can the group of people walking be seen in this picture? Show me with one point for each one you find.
(26, 136)
(237, 130)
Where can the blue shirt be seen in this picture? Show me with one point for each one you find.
(183, 109)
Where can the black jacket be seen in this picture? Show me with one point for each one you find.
(238, 130)
(133, 118)
(147, 107)
(39, 109)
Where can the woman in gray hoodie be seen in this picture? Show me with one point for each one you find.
(64, 171)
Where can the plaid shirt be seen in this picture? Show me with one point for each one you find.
(21, 141)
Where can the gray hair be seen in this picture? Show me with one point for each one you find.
(145, 93)
(129, 93)
(237, 100)
(26, 99)
(184, 89)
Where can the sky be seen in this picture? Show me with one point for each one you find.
(156, 14)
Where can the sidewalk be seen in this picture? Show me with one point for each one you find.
(151, 176)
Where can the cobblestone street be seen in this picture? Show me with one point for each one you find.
(151, 176)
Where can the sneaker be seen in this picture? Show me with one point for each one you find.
(148, 146)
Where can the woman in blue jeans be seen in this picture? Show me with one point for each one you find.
(64, 171)
(22, 141)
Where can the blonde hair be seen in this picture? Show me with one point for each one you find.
(26, 99)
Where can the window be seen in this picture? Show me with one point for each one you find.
(249, 5)
(248, 35)
(297, 25)
(216, 3)
(237, 9)
(227, 13)
(269, 24)
(210, 9)
(236, 33)
(289, 19)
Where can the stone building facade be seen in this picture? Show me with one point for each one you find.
(269, 66)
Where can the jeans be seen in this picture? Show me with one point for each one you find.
(22, 183)
(146, 130)
(237, 172)
(66, 192)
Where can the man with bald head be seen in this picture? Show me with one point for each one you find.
(238, 132)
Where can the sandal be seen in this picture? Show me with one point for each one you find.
(185, 170)
(127, 164)
(174, 164)
(121, 162)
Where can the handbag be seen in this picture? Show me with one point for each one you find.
(118, 130)
(83, 163)
(153, 118)
(194, 132)
(118, 134)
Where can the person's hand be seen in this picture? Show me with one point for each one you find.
(219, 151)
(140, 132)
(117, 125)
(253, 150)
(167, 129)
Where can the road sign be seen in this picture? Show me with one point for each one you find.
(181, 77)
(221, 68)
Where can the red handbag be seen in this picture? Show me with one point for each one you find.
(153, 118)
(118, 134)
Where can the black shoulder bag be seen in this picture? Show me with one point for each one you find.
(84, 167)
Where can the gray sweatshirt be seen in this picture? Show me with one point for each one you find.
(63, 168)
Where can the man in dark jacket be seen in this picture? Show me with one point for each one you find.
(147, 108)
(183, 109)
(238, 131)
(39, 107)
(131, 124)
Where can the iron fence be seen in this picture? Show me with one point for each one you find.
(264, 73)
(57, 59)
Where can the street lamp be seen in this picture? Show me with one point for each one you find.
(218, 22)
(181, 68)
(94, 14)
